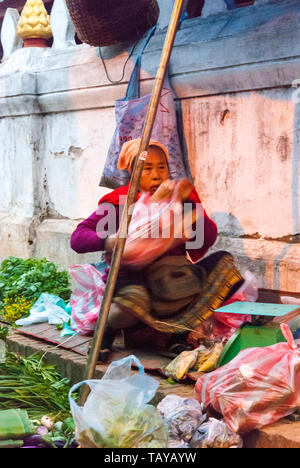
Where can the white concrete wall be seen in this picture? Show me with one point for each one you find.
(233, 73)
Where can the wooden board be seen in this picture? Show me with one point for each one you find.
(273, 296)
(48, 333)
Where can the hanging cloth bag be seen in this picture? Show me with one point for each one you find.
(131, 113)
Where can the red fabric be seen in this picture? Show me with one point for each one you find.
(114, 196)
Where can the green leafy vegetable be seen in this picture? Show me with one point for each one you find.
(27, 383)
(31, 277)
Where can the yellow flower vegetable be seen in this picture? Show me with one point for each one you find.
(15, 308)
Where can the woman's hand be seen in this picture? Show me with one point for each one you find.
(165, 191)
(184, 189)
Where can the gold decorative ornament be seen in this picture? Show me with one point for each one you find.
(34, 21)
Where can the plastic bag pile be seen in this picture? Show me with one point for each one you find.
(188, 426)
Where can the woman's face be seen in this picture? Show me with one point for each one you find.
(155, 172)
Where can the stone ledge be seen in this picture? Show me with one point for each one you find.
(15, 237)
(53, 242)
(283, 434)
(275, 264)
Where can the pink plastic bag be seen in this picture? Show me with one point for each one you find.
(248, 292)
(145, 241)
(86, 298)
(257, 388)
(232, 320)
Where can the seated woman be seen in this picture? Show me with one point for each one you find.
(178, 291)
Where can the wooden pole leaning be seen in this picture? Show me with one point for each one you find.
(131, 199)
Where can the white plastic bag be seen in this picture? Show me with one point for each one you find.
(48, 308)
(116, 413)
(2, 351)
(249, 287)
(215, 434)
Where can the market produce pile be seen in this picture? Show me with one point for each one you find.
(118, 414)
(35, 396)
(28, 383)
(23, 281)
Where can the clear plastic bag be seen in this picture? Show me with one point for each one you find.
(179, 367)
(215, 434)
(116, 413)
(201, 359)
(183, 416)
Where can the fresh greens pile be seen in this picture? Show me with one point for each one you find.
(27, 383)
(29, 278)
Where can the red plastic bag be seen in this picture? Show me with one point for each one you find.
(257, 388)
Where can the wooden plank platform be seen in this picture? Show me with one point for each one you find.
(49, 333)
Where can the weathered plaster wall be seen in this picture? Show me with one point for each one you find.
(233, 74)
(241, 151)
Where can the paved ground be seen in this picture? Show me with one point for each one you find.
(283, 434)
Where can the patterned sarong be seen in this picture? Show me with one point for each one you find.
(223, 278)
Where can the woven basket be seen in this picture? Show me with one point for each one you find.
(108, 22)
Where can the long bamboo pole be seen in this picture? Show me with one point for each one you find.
(131, 198)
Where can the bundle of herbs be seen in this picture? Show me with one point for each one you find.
(23, 281)
(27, 383)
